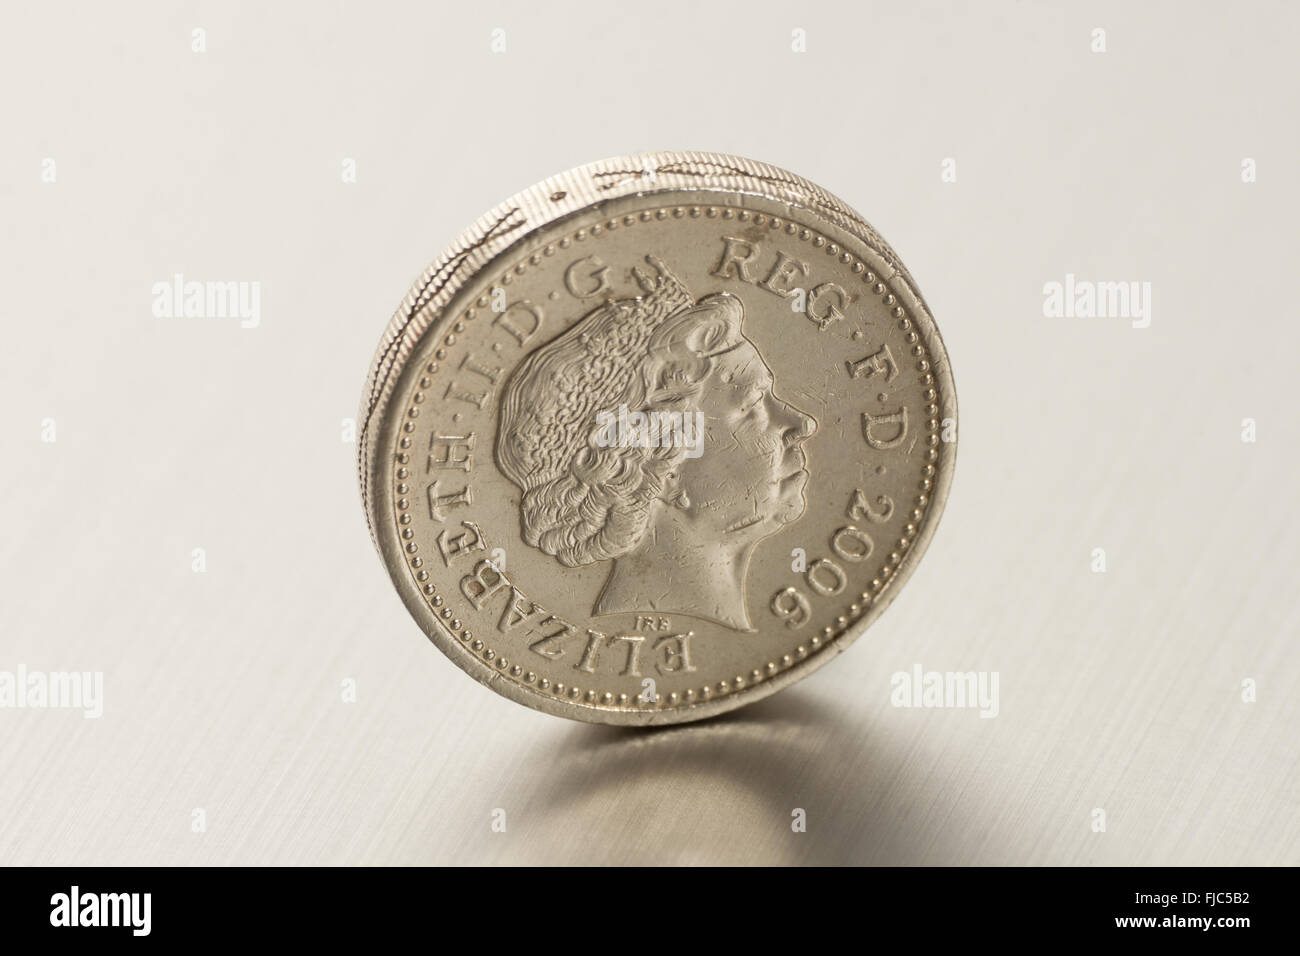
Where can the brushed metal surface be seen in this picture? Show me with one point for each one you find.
(223, 690)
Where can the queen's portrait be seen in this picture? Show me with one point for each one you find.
(678, 525)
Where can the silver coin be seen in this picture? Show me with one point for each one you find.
(656, 438)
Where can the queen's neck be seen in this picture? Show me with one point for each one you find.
(673, 571)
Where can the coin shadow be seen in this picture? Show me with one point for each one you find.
(731, 791)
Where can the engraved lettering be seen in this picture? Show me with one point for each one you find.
(549, 644)
(508, 324)
(859, 510)
(482, 584)
(898, 418)
(832, 310)
(736, 253)
(822, 306)
(514, 614)
(450, 451)
(881, 361)
(790, 605)
(452, 546)
(851, 544)
(589, 653)
(632, 666)
(784, 272)
(438, 502)
(461, 395)
(676, 653)
(838, 577)
(586, 277)
(489, 372)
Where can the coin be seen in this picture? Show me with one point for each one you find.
(656, 438)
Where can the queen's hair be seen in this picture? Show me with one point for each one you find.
(583, 500)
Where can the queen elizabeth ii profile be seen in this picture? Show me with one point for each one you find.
(679, 525)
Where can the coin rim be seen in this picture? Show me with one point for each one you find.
(426, 311)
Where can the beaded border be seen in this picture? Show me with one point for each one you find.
(850, 616)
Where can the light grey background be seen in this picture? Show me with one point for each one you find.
(1119, 691)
